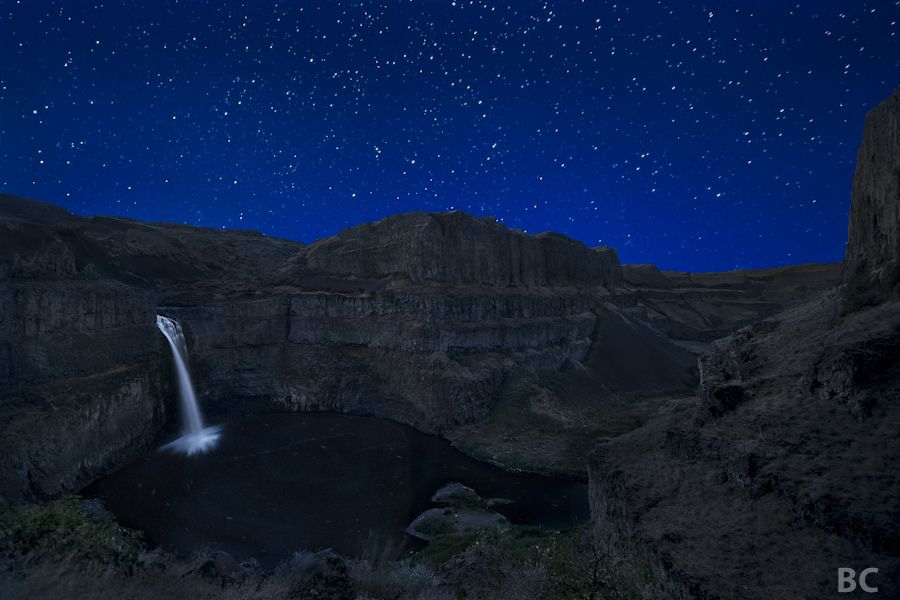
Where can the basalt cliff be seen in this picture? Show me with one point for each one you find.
(743, 423)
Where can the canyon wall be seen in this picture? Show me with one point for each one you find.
(430, 359)
(80, 371)
(422, 318)
(400, 318)
(873, 246)
(459, 249)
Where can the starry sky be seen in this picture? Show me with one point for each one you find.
(694, 135)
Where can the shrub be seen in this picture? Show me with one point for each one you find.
(574, 566)
(565, 563)
(63, 528)
(436, 526)
(443, 547)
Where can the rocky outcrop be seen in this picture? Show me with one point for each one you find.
(873, 247)
(780, 471)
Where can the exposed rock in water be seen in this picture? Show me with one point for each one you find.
(782, 469)
(463, 511)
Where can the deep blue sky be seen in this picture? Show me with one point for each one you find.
(698, 136)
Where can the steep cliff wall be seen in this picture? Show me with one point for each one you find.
(873, 247)
(425, 357)
(458, 249)
(422, 318)
(80, 362)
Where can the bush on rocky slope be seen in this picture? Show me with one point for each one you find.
(67, 527)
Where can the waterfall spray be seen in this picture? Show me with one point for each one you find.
(196, 437)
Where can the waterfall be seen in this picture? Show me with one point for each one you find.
(196, 438)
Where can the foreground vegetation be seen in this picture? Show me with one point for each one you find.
(73, 549)
(68, 527)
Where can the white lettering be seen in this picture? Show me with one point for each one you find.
(846, 580)
(862, 581)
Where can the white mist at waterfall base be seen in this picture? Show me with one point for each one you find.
(196, 437)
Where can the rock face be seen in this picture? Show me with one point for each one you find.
(778, 473)
(400, 318)
(418, 356)
(782, 469)
(80, 365)
(458, 249)
(873, 248)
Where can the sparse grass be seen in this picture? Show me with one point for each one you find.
(40, 532)
(466, 501)
(435, 526)
(559, 564)
(443, 547)
(573, 567)
(400, 580)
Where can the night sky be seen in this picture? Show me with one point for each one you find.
(694, 135)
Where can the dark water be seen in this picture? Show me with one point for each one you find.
(287, 482)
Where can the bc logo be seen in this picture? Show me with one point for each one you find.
(847, 580)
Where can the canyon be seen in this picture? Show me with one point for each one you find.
(390, 319)
(737, 429)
